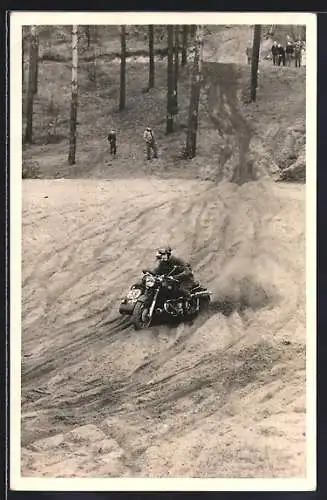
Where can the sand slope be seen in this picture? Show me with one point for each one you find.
(220, 398)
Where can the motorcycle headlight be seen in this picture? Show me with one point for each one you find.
(134, 294)
(149, 281)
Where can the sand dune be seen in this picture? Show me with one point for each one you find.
(222, 397)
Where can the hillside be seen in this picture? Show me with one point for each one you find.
(225, 395)
(237, 375)
(278, 139)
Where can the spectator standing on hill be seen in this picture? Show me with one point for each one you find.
(112, 139)
(289, 52)
(281, 55)
(274, 53)
(248, 52)
(298, 53)
(150, 143)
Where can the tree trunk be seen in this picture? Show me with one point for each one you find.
(36, 72)
(170, 80)
(184, 44)
(255, 61)
(122, 99)
(74, 101)
(88, 36)
(91, 53)
(28, 136)
(176, 70)
(192, 30)
(190, 150)
(151, 58)
(23, 61)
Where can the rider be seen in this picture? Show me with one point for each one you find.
(177, 268)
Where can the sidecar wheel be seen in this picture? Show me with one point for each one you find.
(204, 303)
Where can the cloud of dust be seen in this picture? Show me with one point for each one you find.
(246, 253)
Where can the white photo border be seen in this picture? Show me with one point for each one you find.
(17, 20)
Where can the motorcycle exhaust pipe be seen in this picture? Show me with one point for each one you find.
(201, 294)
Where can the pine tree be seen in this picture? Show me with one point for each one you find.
(170, 81)
(23, 59)
(36, 72)
(32, 77)
(255, 61)
(190, 149)
(184, 44)
(151, 57)
(176, 70)
(74, 99)
(122, 98)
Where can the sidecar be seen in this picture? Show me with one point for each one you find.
(127, 304)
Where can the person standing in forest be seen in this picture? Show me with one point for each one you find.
(289, 52)
(274, 53)
(281, 55)
(298, 53)
(248, 52)
(112, 139)
(150, 143)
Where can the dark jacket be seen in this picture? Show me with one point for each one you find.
(281, 51)
(182, 271)
(274, 50)
(112, 137)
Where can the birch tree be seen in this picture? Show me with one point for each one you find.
(190, 149)
(170, 81)
(122, 98)
(74, 99)
(32, 77)
(176, 69)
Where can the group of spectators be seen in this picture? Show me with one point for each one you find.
(283, 55)
(149, 141)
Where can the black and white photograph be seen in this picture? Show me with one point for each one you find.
(163, 184)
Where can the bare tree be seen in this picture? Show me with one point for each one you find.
(36, 72)
(91, 52)
(151, 57)
(184, 44)
(192, 29)
(32, 76)
(23, 58)
(122, 98)
(176, 69)
(190, 149)
(88, 35)
(170, 80)
(74, 100)
(255, 61)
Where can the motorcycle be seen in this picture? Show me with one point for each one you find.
(158, 296)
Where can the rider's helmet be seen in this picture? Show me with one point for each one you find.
(164, 253)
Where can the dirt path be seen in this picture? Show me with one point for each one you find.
(151, 399)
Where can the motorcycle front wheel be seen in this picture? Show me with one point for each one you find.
(140, 318)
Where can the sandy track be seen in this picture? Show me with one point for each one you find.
(221, 397)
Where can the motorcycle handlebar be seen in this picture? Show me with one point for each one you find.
(162, 276)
